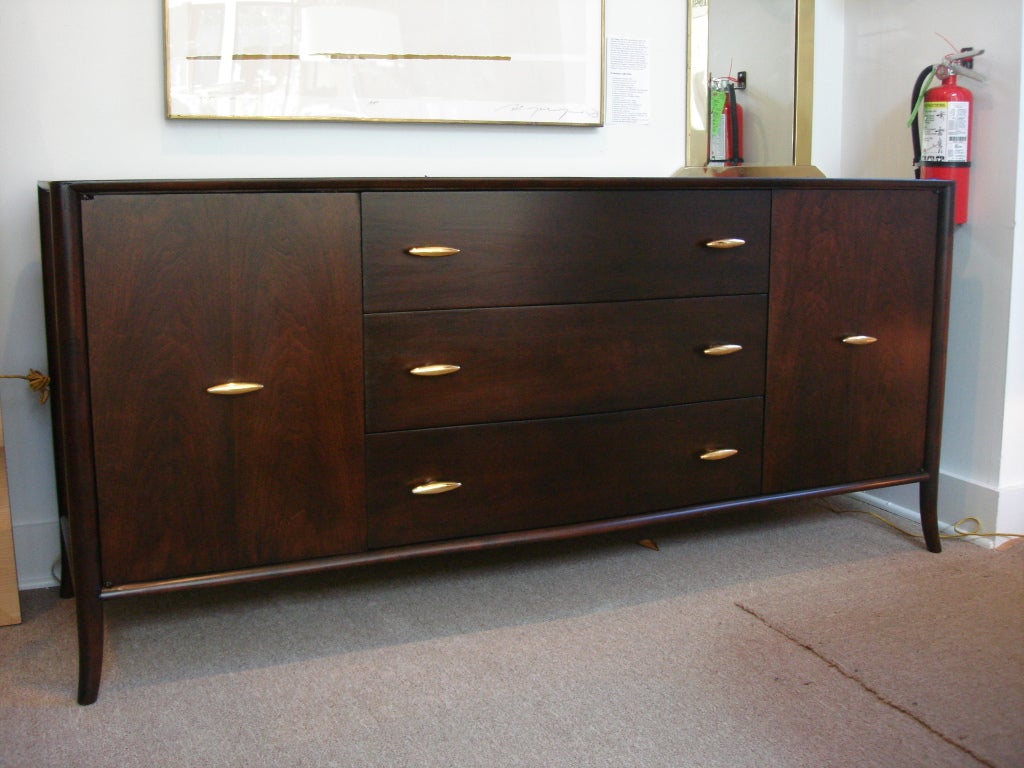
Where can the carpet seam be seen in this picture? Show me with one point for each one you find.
(877, 694)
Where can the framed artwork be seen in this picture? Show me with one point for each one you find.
(536, 62)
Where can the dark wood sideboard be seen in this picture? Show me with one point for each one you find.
(258, 378)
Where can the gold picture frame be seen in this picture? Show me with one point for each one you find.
(537, 62)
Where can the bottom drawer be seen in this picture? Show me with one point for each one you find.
(533, 474)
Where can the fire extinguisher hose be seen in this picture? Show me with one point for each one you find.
(915, 135)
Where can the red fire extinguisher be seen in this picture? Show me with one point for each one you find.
(942, 125)
(725, 134)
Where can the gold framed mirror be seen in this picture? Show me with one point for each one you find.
(725, 37)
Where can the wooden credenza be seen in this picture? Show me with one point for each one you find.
(257, 378)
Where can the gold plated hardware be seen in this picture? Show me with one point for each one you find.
(235, 388)
(726, 242)
(432, 251)
(722, 349)
(430, 489)
(721, 453)
(435, 370)
(859, 341)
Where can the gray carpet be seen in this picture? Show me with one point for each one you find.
(790, 636)
(921, 639)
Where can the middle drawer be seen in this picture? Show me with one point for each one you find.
(536, 362)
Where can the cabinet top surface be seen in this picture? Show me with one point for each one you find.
(474, 184)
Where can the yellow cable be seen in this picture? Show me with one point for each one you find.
(958, 532)
(37, 382)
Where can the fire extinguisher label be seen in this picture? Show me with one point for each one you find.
(717, 143)
(944, 131)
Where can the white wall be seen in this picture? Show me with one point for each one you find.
(1012, 507)
(886, 46)
(829, 68)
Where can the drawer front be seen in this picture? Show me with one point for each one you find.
(534, 474)
(535, 362)
(552, 247)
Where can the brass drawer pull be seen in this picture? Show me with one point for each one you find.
(432, 251)
(726, 242)
(722, 349)
(435, 370)
(430, 489)
(859, 341)
(721, 453)
(235, 388)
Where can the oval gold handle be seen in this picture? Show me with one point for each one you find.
(432, 251)
(234, 388)
(718, 350)
(859, 341)
(721, 453)
(726, 242)
(429, 489)
(435, 370)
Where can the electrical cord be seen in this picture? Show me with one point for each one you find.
(958, 532)
(37, 382)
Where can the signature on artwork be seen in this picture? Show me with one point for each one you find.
(545, 113)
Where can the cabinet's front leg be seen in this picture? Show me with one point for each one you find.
(929, 502)
(90, 645)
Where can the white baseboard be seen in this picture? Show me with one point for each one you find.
(1011, 510)
(36, 550)
(902, 506)
(997, 511)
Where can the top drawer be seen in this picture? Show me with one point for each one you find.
(553, 247)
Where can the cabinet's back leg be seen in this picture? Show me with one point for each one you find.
(929, 490)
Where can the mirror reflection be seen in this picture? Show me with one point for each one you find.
(756, 38)
(769, 43)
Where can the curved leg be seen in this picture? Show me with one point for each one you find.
(67, 587)
(90, 646)
(930, 514)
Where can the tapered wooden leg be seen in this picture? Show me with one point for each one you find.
(90, 646)
(930, 514)
(67, 587)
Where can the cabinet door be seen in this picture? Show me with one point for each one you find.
(188, 291)
(848, 263)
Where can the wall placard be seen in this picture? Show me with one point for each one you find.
(474, 61)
